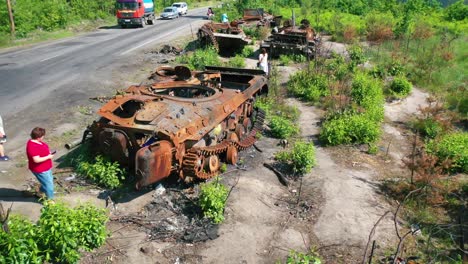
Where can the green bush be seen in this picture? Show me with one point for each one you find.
(102, 171)
(396, 68)
(301, 157)
(349, 128)
(337, 67)
(282, 127)
(296, 257)
(457, 11)
(299, 58)
(367, 93)
(20, 244)
(200, 58)
(356, 54)
(66, 231)
(429, 127)
(59, 236)
(400, 87)
(236, 62)
(309, 86)
(212, 200)
(452, 146)
(284, 60)
(247, 51)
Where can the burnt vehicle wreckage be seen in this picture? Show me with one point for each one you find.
(230, 37)
(291, 39)
(183, 124)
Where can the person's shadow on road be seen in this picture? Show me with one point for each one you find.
(13, 195)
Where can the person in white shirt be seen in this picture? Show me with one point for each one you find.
(263, 60)
(3, 157)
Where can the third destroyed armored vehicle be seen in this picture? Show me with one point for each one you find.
(183, 124)
(290, 39)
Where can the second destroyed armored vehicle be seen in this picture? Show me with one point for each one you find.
(183, 124)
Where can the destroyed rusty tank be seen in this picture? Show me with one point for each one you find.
(183, 124)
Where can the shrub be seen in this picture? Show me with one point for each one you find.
(284, 59)
(282, 127)
(400, 87)
(200, 58)
(457, 11)
(58, 237)
(212, 200)
(20, 245)
(429, 127)
(356, 54)
(452, 146)
(301, 157)
(247, 51)
(102, 171)
(295, 257)
(308, 86)
(236, 62)
(395, 68)
(349, 128)
(65, 231)
(367, 93)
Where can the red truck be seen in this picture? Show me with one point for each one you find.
(135, 12)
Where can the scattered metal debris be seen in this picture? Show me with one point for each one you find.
(174, 217)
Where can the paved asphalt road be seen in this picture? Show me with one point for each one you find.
(33, 79)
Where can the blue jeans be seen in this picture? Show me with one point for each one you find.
(47, 183)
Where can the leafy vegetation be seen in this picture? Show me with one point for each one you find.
(247, 51)
(301, 157)
(400, 87)
(200, 58)
(58, 237)
(453, 146)
(102, 171)
(212, 200)
(296, 257)
(282, 127)
(308, 85)
(236, 62)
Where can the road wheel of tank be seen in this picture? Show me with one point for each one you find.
(247, 123)
(231, 155)
(240, 131)
(212, 163)
(233, 137)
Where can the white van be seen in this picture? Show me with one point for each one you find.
(182, 7)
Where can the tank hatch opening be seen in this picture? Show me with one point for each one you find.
(128, 109)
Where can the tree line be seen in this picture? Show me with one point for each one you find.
(50, 15)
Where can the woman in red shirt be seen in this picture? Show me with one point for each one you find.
(40, 161)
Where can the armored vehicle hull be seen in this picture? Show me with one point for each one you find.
(183, 124)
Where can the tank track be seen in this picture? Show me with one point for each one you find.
(208, 31)
(193, 162)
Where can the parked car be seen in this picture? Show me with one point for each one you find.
(170, 13)
(182, 7)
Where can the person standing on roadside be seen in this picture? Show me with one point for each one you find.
(3, 157)
(40, 161)
(263, 60)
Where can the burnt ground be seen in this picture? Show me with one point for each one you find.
(332, 209)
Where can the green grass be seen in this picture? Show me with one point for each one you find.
(41, 36)
(431, 66)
